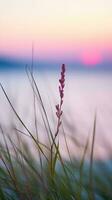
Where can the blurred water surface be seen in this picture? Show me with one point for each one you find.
(86, 95)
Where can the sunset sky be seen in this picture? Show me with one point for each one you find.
(59, 29)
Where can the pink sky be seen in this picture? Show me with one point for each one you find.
(66, 29)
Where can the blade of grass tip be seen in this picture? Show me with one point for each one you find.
(32, 85)
(38, 97)
(35, 114)
(91, 192)
(34, 107)
(42, 104)
(34, 103)
(33, 138)
(32, 64)
(81, 167)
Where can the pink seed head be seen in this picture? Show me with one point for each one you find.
(63, 68)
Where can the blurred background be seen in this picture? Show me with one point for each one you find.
(49, 32)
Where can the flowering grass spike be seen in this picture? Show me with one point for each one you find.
(59, 111)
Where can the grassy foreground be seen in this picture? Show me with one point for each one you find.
(45, 175)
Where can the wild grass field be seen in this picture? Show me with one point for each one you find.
(34, 169)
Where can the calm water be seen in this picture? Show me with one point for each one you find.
(85, 95)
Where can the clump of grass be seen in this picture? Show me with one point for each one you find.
(50, 177)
